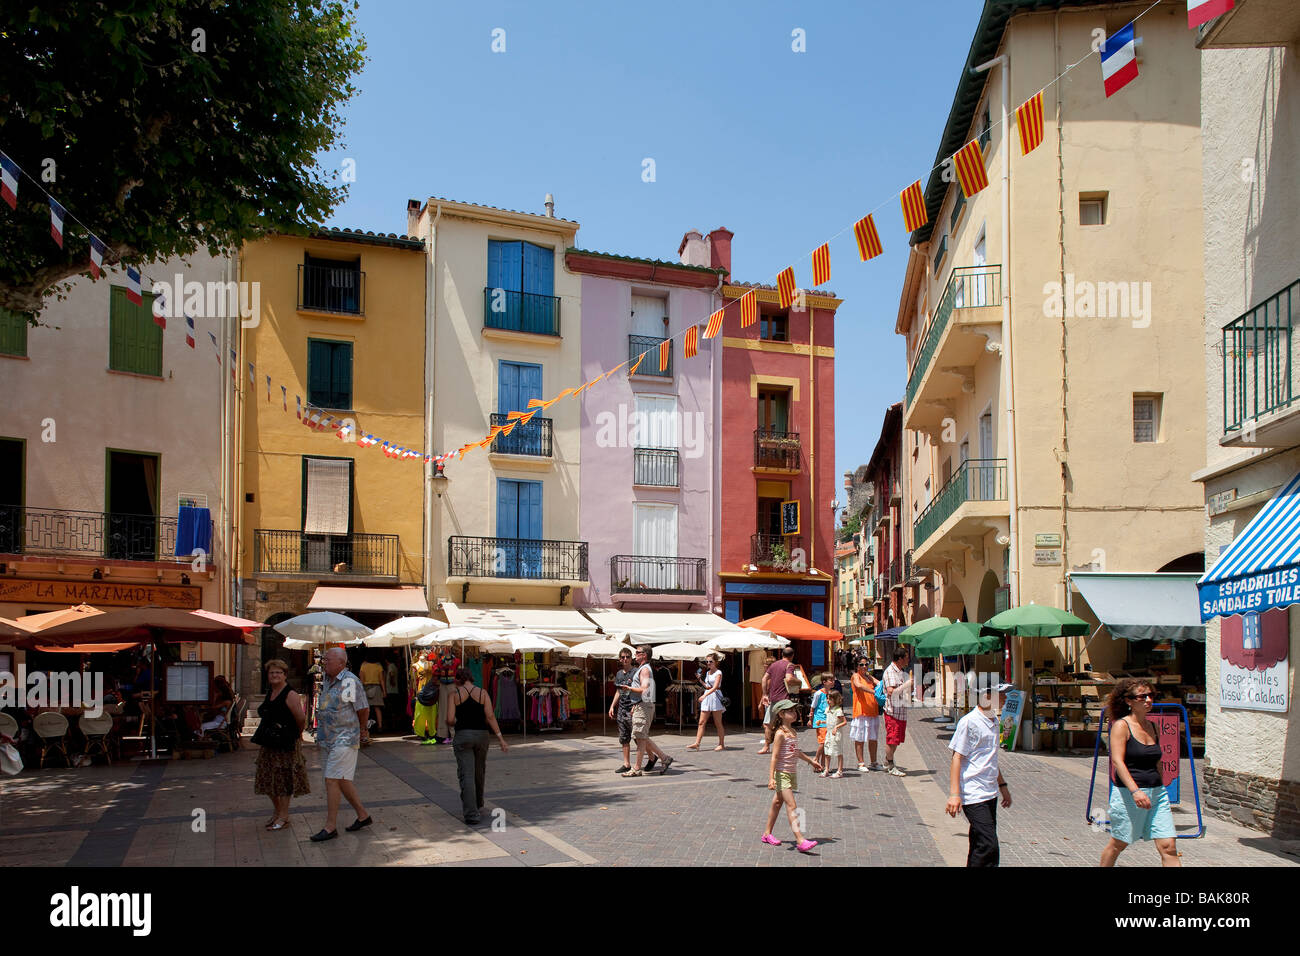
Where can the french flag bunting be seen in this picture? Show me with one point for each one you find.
(268, 388)
(1119, 65)
(160, 309)
(252, 379)
(9, 181)
(234, 365)
(189, 331)
(133, 288)
(57, 215)
(97, 250)
(216, 349)
(1202, 11)
(284, 396)
(298, 400)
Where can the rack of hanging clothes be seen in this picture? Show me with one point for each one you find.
(683, 700)
(548, 705)
(506, 695)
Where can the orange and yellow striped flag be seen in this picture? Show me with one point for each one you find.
(507, 428)
(715, 325)
(864, 230)
(525, 419)
(616, 368)
(969, 162)
(637, 364)
(691, 344)
(914, 214)
(748, 309)
(1029, 120)
(821, 264)
(665, 350)
(785, 287)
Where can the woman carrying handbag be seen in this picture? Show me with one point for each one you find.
(281, 770)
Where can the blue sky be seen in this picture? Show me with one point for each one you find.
(785, 149)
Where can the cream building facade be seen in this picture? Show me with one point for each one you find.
(1055, 392)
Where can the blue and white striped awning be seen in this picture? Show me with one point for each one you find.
(1261, 569)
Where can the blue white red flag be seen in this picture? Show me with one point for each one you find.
(1119, 65)
(1200, 11)
(189, 331)
(57, 215)
(97, 250)
(9, 181)
(133, 288)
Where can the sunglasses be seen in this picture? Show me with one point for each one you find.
(1141, 696)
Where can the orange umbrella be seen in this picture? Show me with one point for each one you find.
(39, 622)
(792, 627)
(242, 623)
(85, 648)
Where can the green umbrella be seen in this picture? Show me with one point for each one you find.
(914, 632)
(958, 638)
(1036, 620)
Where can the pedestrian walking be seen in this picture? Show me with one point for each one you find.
(865, 728)
(341, 729)
(835, 723)
(825, 683)
(974, 781)
(711, 704)
(643, 715)
(897, 685)
(620, 708)
(759, 662)
(470, 716)
(783, 777)
(1139, 803)
(778, 680)
(281, 771)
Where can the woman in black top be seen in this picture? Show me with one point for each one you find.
(471, 716)
(281, 770)
(1139, 804)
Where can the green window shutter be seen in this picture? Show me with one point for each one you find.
(318, 373)
(134, 339)
(13, 333)
(342, 364)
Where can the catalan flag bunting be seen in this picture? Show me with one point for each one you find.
(665, 351)
(913, 202)
(9, 181)
(748, 309)
(715, 325)
(637, 364)
(864, 231)
(97, 250)
(969, 163)
(1029, 120)
(57, 215)
(785, 287)
(189, 340)
(691, 344)
(821, 262)
(133, 286)
(1202, 11)
(1119, 65)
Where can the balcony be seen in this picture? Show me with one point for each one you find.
(532, 438)
(656, 467)
(895, 574)
(777, 451)
(521, 312)
(527, 559)
(964, 327)
(639, 344)
(329, 289)
(972, 502)
(774, 550)
(91, 534)
(1259, 357)
(348, 557)
(639, 574)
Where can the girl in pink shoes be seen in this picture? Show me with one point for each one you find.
(785, 759)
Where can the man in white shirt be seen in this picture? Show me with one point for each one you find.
(897, 685)
(974, 782)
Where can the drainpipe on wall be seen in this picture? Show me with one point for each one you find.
(812, 441)
(231, 520)
(430, 335)
(715, 545)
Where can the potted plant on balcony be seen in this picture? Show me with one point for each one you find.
(780, 555)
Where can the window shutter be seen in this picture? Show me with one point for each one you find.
(13, 333)
(134, 340)
(329, 493)
(341, 384)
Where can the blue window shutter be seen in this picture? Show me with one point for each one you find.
(507, 508)
(505, 265)
(507, 387)
(530, 385)
(819, 613)
(539, 270)
(733, 612)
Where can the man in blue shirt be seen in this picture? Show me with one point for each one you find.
(342, 718)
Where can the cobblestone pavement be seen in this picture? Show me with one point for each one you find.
(557, 801)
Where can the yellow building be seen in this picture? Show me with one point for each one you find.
(1056, 398)
(341, 329)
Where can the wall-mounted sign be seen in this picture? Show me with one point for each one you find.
(789, 517)
(1047, 556)
(22, 591)
(1253, 650)
(1047, 540)
(1218, 504)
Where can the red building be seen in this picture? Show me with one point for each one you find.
(776, 452)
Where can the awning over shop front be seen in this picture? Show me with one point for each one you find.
(1261, 568)
(1143, 607)
(550, 620)
(661, 627)
(394, 600)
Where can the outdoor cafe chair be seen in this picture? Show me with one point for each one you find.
(96, 731)
(225, 734)
(52, 728)
(8, 727)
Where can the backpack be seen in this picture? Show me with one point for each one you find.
(881, 697)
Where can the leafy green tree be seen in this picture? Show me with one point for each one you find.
(850, 527)
(167, 126)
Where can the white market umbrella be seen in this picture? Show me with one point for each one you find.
(682, 652)
(324, 627)
(755, 640)
(458, 635)
(403, 631)
(604, 649)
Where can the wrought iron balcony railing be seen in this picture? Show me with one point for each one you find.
(521, 311)
(979, 479)
(521, 558)
(531, 438)
(326, 555)
(640, 574)
(774, 550)
(969, 287)
(774, 449)
(121, 537)
(655, 466)
(332, 289)
(638, 344)
(1258, 359)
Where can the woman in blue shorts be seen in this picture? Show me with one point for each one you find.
(1139, 805)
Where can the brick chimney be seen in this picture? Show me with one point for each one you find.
(693, 251)
(720, 249)
(412, 216)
